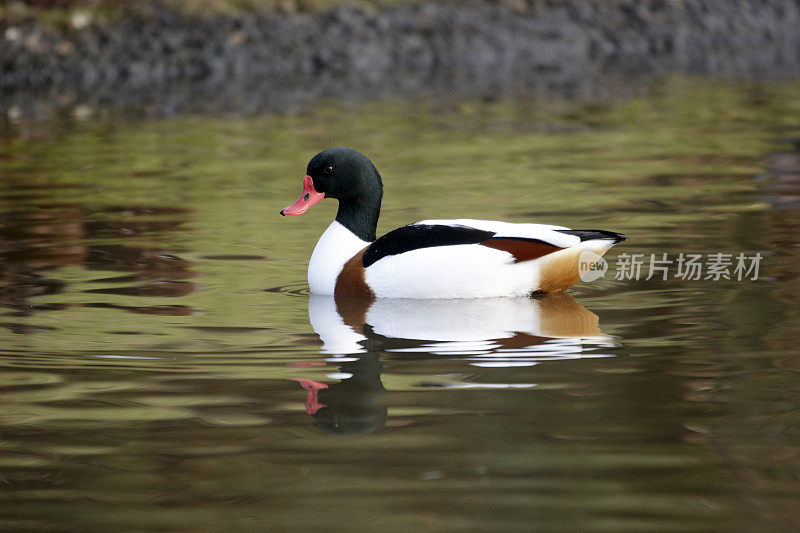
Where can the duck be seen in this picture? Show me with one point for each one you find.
(431, 259)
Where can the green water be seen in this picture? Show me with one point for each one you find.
(156, 345)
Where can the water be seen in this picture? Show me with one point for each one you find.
(164, 368)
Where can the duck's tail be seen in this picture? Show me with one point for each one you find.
(560, 270)
(595, 234)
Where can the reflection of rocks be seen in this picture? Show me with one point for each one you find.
(159, 310)
(157, 288)
(38, 236)
(782, 188)
(34, 241)
(276, 60)
(44, 237)
(783, 184)
(147, 263)
(18, 286)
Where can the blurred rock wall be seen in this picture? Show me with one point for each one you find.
(246, 63)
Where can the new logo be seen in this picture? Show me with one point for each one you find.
(591, 266)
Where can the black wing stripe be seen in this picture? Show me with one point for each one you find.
(416, 236)
(590, 234)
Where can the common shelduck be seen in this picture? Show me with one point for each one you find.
(460, 258)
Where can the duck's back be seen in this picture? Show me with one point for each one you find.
(466, 258)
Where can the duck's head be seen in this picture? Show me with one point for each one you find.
(350, 177)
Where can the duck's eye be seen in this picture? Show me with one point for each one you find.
(328, 170)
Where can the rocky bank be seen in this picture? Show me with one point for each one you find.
(276, 60)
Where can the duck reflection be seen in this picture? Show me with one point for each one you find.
(492, 332)
(352, 405)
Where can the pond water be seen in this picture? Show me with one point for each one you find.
(164, 367)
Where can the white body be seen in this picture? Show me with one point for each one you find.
(336, 246)
(457, 271)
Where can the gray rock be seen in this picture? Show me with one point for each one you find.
(272, 61)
